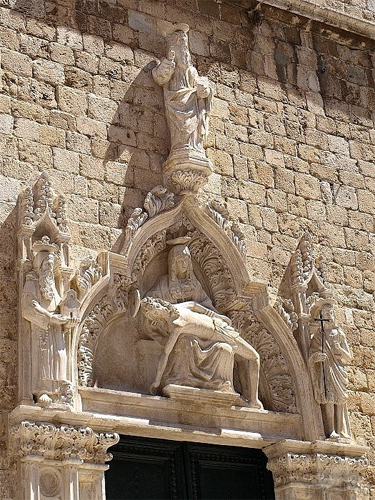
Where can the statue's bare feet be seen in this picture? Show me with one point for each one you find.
(333, 435)
(44, 400)
(254, 404)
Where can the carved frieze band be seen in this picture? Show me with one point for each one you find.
(61, 442)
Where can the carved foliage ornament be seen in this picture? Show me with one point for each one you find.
(333, 470)
(157, 200)
(219, 213)
(62, 442)
(35, 202)
(88, 273)
(91, 329)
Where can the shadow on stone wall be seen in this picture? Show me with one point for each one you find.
(138, 140)
(8, 308)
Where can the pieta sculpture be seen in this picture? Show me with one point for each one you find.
(200, 347)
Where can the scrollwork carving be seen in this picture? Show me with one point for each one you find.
(211, 262)
(91, 329)
(88, 273)
(273, 364)
(122, 284)
(152, 247)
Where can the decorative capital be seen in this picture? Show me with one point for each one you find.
(315, 468)
(61, 442)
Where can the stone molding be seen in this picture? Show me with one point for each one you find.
(323, 13)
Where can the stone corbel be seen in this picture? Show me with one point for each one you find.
(60, 461)
(317, 470)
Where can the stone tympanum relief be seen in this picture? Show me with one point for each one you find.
(187, 102)
(307, 306)
(199, 344)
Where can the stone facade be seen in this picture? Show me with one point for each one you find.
(291, 145)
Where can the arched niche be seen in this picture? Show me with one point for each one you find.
(284, 380)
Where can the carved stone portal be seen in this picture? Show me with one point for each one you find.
(173, 318)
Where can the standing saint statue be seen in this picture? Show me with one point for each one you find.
(40, 305)
(187, 102)
(329, 351)
(199, 344)
(187, 96)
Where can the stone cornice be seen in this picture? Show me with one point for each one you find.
(319, 12)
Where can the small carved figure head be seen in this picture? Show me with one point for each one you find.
(157, 316)
(324, 309)
(44, 264)
(179, 260)
(178, 47)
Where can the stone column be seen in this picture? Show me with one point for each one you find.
(61, 462)
(321, 470)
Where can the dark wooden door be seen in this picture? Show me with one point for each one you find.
(146, 469)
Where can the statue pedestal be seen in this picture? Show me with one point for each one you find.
(186, 171)
(199, 396)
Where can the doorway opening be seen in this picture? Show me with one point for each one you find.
(147, 469)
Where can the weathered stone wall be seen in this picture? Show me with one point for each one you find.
(292, 141)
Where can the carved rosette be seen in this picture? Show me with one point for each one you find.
(314, 475)
(61, 442)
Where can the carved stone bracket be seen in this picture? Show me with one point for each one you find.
(317, 471)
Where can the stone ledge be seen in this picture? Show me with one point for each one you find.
(323, 14)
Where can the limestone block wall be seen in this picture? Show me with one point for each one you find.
(292, 142)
